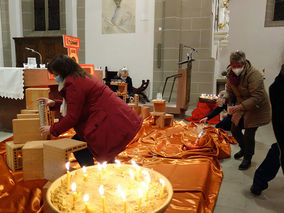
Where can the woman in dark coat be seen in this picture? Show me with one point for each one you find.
(98, 116)
(252, 109)
(275, 156)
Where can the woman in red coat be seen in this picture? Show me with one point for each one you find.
(98, 116)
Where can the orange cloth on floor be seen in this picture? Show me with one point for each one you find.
(201, 111)
(185, 153)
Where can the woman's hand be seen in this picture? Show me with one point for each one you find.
(234, 109)
(203, 120)
(44, 130)
(46, 101)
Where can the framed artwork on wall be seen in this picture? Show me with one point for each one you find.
(274, 16)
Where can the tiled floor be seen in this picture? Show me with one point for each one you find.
(234, 195)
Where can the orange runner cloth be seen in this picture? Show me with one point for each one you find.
(186, 154)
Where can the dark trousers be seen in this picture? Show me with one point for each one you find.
(84, 156)
(225, 124)
(246, 141)
(268, 168)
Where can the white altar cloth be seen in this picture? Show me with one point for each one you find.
(11, 82)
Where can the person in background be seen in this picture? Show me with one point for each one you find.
(98, 116)
(123, 75)
(252, 109)
(226, 122)
(275, 156)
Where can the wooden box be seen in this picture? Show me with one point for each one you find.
(145, 112)
(159, 105)
(55, 155)
(23, 116)
(29, 111)
(33, 160)
(14, 156)
(27, 130)
(32, 94)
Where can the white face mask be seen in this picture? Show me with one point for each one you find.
(237, 71)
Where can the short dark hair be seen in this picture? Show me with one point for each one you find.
(238, 56)
(64, 66)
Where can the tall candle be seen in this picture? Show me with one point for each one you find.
(100, 172)
(124, 200)
(87, 205)
(163, 187)
(67, 165)
(146, 187)
(101, 190)
(85, 173)
(137, 169)
(132, 176)
(140, 198)
(73, 187)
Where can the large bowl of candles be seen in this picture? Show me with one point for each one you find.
(110, 188)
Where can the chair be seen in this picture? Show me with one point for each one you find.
(109, 75)
(140, 91)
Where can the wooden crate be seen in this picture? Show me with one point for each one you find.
(27, 130)
(14, 156)
(145, 112)
(159, 105)
(23, 116)
(33, 160)
(29, 111)
(162, 119)
(32, 94)
(55, 155)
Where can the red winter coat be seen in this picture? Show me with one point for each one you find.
(98, 116)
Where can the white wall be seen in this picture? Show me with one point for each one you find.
(134, 50)
(264, 46)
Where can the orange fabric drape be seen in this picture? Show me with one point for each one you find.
(187, 154)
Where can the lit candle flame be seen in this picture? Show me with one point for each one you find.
(84, 169)
(140, 193)
(86, 198)
(101, 190)
(67, 165)
(147, 176)
(99, 166)
(117, 163)
(132, 175)
(73, 187)
(162, 182)
(119, 190)
(104, 165)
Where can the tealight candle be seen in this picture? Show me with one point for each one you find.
(67, 165)
(85, 173)
(101, 190)
(163, 187)
(73, 187)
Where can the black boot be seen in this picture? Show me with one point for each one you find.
(239, 154)
(245, 164)
(255, 190)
